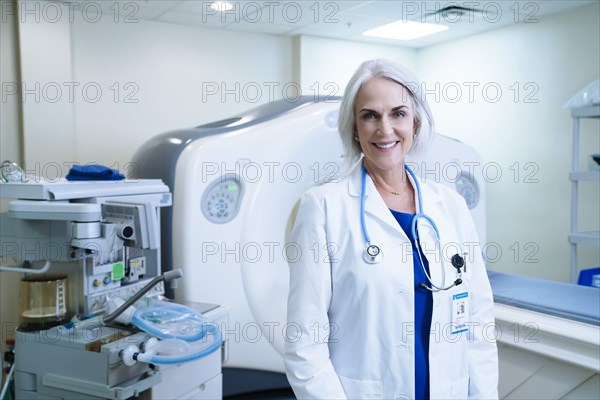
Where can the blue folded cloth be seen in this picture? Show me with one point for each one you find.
(93, 173)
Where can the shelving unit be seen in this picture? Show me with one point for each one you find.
(577, 238)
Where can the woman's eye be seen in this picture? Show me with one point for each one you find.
(399, 114)
(368, 116)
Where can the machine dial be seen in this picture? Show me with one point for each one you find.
(467, 187)
(220, 201)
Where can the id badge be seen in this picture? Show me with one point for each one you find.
(460, 312)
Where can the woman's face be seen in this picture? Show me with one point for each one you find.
(384, 123)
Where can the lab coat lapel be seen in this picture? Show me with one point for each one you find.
(427, 237)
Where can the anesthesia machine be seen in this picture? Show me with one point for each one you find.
(235, 185)
(93, 323)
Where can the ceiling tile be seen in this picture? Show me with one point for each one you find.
(157, 4)
(348, 19)
(347, 24)
(128, 10)
(389, 10)
(185, 18)
(271, 29)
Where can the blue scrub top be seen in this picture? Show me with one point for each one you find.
(423, 310)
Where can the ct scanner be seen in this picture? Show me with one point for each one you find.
(235, 184)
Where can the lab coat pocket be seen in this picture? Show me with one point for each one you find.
(460, 388)
(359, 389)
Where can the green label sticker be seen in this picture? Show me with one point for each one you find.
(118, 271)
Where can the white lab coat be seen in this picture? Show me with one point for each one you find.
(350, 323)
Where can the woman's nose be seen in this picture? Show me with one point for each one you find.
(385, 127)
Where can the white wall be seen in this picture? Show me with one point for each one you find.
(49, 138)
(328, 64)
(548, 61)
(122, 83)
(168, 77)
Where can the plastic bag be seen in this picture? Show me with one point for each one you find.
(171, 321)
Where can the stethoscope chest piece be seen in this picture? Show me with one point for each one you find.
(372, 254)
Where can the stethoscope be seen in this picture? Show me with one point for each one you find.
(373, 254)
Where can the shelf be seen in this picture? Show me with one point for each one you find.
(586, 112)
(592, 176)
(577, 238)
(590, 238)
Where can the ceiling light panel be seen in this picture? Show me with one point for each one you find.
(405, 30)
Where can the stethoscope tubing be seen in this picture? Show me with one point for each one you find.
(419, 214)
(363, 195)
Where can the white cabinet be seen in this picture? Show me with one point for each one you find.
(577, 238)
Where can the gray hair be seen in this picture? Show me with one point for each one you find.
(389, 70)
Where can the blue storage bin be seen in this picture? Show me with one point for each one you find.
(589, 277)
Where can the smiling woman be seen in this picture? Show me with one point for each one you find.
(382, 310)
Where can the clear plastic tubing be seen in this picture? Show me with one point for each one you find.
(181, 349)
